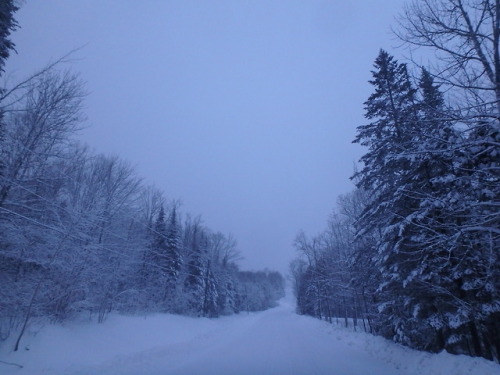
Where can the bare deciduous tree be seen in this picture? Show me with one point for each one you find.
(465, 35)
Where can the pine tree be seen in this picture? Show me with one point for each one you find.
(393, 111)
(392, 107)
(451, 288)
(422, 235)
(409, 144)
(173, 247)
(159, 245)
(7, 25)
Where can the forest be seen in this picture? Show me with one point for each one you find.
(83, 235)
(412, 254)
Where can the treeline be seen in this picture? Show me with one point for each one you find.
(262, 289)
(414, 253)
(81, 233)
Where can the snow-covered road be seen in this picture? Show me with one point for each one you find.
(280, 342)
(276, 342)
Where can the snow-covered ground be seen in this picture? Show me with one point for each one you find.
(276, 342)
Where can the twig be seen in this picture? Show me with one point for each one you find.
(12, 364)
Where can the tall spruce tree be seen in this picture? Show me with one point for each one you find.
(421, 229)
(392, 108)
(385, 174)
(7, 25)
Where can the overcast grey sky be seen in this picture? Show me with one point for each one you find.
(245, 110)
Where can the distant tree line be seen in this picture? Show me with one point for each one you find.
(414, 253)
(81, 233)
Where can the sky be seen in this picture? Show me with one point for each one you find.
(245, 111)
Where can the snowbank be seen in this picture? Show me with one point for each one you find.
(413, 362)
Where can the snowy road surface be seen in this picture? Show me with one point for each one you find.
(280, 342)
(276, 341)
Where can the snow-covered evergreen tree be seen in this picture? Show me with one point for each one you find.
(7, 25)
(464, 36)
(173, 252)
(385, 174)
